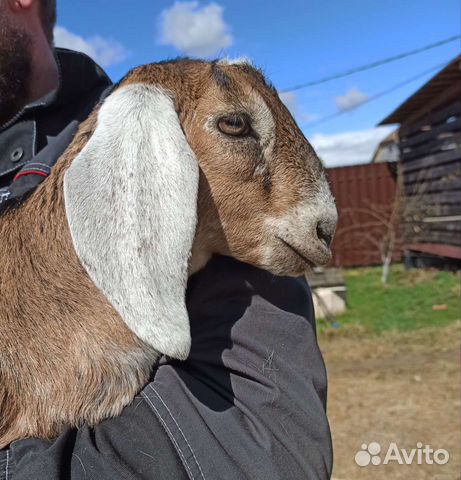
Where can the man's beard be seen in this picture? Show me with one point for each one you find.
(15, 69)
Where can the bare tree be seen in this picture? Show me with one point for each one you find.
(373, 229)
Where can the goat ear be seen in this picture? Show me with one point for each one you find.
(131, 203)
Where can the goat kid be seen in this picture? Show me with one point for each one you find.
(184, 159)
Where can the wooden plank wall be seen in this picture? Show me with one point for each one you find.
(431, 174)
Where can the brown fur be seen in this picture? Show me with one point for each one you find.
(66, 355)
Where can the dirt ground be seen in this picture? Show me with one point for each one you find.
(395, 387)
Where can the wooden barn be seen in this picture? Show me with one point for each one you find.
(430, 166)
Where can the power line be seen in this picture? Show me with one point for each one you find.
(369, 66)
(374, 97)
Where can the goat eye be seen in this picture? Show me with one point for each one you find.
(235, 125)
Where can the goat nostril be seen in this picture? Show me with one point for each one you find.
(324, 235)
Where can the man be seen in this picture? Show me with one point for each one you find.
(249, 402)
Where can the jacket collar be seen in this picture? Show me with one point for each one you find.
(78, 74)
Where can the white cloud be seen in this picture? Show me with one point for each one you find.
(291, 101)
(104, 51)
(353, 98)
(195, 30)
(349, 148)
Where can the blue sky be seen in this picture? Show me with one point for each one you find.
(292, 40)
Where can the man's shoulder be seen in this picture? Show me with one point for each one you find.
(224, 275)
(255, 362)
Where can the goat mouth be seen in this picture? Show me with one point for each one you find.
(295, 250)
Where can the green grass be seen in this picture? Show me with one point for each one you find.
(405, 303)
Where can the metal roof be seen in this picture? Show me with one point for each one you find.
(448, 77)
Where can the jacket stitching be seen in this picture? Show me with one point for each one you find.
(6, 466)
(34, 140)
(19, 165)
(38, 169)
(42, 164)
(182, 433)
(170, 434)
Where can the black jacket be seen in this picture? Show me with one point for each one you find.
(248, 403)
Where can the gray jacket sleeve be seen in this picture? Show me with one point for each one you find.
(249, 403)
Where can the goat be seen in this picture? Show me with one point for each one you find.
(184, 159)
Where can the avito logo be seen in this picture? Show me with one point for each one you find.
(373, 454)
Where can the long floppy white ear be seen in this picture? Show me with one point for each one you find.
(130, 199)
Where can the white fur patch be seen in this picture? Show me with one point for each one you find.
(130, 199)
(264, 125)
(263, 119)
